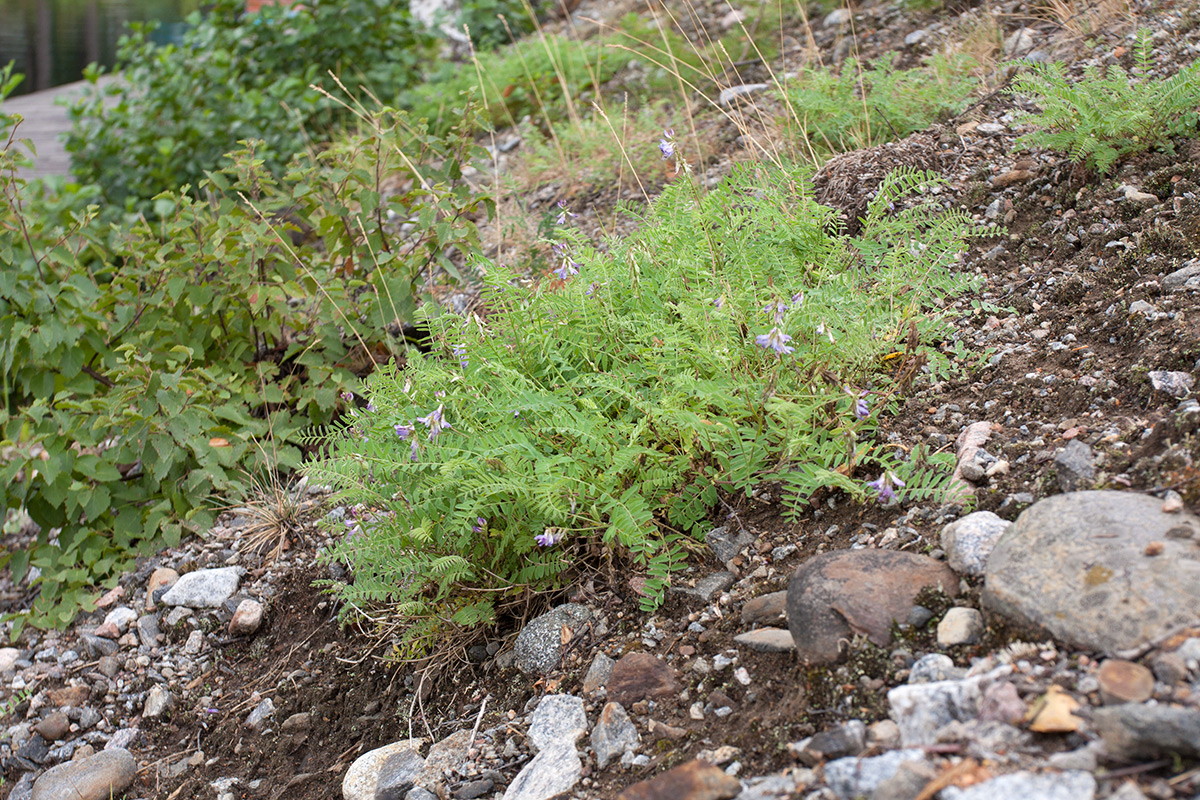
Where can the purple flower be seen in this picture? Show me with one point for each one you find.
(516, 413)
(347, 396)
(370, 407)
(564, 213)
(719, 302)
(413, 450)
(861, 409)
(403, 431)
(435, 422)
(549, 537)
(566, 267)
(798, 299)
(778, 308)
(591, 289)
(666, 145)
(480, 525)
(463, 361)
(883, 486)
(776, 340)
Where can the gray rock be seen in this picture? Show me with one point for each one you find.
(1134, 731)
(1180, 278)
(920, 709)
(448, 754)
(420, 793)
(557, 722)
(362, 779)
(597, 674)
(398, 775)
(261, 716)
(708, 587)
(125, 738)
(1075, 467)
(551, 772)
(1019, 42)
(8, 658)
(960, 626)
(97, 777)
(731, 93)
(767, 640)
(120, 618)
(847, 739)
(969, 541)
(472, 789)
(204, 588)
(1075, 565)
(907, 783)
(851, 778)
(159, 701)
(1176, 384)
(974, 467)
(147, 630)
(538, 648)
(98, 646)
(837, 17)
(916, 37)
(1073, 785)
(613, 735)
(23, 788)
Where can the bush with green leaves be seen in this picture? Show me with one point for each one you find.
(596, 417)
(1106, 116)
(149, 366)
(178, 109)
(866, 104)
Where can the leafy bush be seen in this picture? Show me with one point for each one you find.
(1106, 116)
(148, 366)
(865, 105)
(601, 412)
(178, 110)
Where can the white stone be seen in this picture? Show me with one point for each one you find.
(159, 701)
(1073, 785)
(969, 541)
(8, 657)
(247, 619)
(121, 618)
(919, 709)
(363, 776)
(204, 588)
(839, 16)
(558, 721)
(959, 626)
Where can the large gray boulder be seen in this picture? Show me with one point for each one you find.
(1105, 571)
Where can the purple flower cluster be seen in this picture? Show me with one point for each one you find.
(564, 213)
(461, 353)
(666, 145)
(566, 266)
(775, 340)
(883, 486)
(435, 422)
(480, 525)
(549, 537)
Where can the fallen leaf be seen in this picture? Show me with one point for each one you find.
(1051, 713)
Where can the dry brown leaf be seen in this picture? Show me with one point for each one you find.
(1051, 713)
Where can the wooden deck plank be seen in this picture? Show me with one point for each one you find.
(44, 122)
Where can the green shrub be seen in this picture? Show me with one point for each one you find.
(148, 366)
(178, 110)
(1106, 116)
(865, 105)
(600, 413)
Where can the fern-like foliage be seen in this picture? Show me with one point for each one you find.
(600, 415)
(1107, 115)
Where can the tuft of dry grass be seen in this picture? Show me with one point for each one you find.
(278, 516)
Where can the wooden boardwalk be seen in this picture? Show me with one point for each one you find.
(44, 122)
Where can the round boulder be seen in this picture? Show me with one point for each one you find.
(1104, 571)
(833, 596)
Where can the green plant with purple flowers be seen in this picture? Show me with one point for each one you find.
(734, 340)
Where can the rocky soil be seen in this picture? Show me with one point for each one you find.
(1039, 637)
